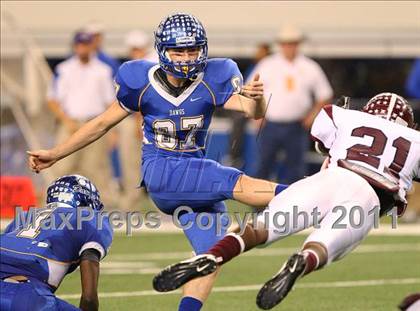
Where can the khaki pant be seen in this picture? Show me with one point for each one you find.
(130, 154)
(92, 162)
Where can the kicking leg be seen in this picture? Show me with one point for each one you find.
(255, 192)
(202, 267)
(202, 233)
(234, 244)
(196, 291)
(292, 204)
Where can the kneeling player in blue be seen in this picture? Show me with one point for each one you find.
(40, 247)
(177, 98)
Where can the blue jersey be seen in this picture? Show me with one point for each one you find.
(51, 249)
(174, 169)
(176, 124)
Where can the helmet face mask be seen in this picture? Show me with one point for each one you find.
(182, 64)
(181, 31)
(392, 107)
(74, 191)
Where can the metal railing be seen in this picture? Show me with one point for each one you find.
(23, 111)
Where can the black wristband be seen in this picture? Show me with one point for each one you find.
(90, 254)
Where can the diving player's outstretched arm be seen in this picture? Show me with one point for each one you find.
(251, 100)
(87, 134)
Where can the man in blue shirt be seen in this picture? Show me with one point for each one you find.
(412, 85)
(38, 249)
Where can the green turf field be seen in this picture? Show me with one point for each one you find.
(376, 277)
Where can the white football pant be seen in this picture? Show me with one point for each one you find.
(340, 204)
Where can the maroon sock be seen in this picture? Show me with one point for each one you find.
(226, 249)
(312, 261)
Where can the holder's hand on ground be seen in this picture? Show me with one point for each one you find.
(41, 159)
(254, 89)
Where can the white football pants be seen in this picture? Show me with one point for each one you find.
(338, 203)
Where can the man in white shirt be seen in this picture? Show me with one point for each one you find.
(81, 90)
(291, 82)
(131, 132)
(96, 30)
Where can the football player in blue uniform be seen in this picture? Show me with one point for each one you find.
(38, 252)
(177, 98)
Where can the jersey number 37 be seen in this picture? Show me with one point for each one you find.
(165, 132)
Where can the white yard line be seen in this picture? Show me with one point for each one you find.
(383, 229)
(147, 263)
(130, 271)
(129, 267)
(168, 227)
(226, 289)
(269, 251)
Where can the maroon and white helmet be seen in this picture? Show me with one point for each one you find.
(392, 107)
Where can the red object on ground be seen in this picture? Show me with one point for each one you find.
(15, 191)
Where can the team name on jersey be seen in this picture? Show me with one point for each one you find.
(176, 112)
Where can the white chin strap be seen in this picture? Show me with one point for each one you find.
(401, 121)
(58, 204)
(391, 106)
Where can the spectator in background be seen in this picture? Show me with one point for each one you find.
(412, 85)
(82, 89)
(262, 50)
(237, 136)
(412, 88)
(97, 30)
(138, 45)
(291, 82)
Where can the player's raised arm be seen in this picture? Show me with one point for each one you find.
(87, 134)
(251, 100)
(89, 273)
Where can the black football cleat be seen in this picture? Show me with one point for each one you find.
(176, 275)
(276, 289)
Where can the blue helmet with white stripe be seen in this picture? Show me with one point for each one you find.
(75, 191)
(181, 31)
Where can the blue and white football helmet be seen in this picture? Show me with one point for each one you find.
(181, 31)
(75, 191)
